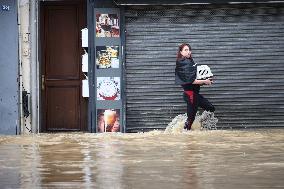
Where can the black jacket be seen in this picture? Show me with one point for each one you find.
(185, 74)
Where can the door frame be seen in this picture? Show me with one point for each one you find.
(38, 126)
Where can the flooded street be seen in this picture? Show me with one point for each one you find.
(196, 159)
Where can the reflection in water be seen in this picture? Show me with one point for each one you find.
(195, 159)
(109, 166)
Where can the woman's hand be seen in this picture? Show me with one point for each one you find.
(203, 82)
(208, 81)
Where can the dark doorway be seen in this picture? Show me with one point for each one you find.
(63, 107)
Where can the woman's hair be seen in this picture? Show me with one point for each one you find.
(180, 48)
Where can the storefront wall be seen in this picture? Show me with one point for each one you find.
(9, 95)
(242, 44)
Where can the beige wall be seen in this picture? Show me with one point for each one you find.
(24, 55)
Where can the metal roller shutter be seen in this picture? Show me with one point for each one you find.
(243, 45)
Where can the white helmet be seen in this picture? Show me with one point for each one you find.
(203, 72)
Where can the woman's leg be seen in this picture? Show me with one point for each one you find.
(204, 103)
(191, 100)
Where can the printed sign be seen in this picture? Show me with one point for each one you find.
(108, 88)
(107, 25)
(5, 7)
(107, 57)
(108, 120)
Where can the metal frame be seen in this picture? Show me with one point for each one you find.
(90, 26)
(188, 2)
(123, 74)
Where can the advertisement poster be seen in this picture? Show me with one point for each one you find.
(107, 25)
(107, 57)
(108, 88)
(108, 120)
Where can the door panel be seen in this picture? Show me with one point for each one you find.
(62, 60)
(64, 108)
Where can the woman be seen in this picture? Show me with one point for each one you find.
(186, 77)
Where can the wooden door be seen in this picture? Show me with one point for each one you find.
(64, 109)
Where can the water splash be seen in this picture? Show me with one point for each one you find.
(208, 120)
(177, 124)
(205, 121)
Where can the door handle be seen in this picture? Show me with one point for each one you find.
(42, 82)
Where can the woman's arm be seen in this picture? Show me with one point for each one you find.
(202, 82)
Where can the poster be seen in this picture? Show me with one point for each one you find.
(107, 57)
(108, 120)
(108, 88)
(107, 25)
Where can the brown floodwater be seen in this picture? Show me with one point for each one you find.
(197, 159)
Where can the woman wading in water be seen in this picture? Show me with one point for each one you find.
(185, 75)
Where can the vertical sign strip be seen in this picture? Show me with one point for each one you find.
(108, 70)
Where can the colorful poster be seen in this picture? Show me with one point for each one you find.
(108, 120)
(107, 25)
(108, 88)
(107, 57)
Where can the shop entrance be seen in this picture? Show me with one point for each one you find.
(63, 107)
